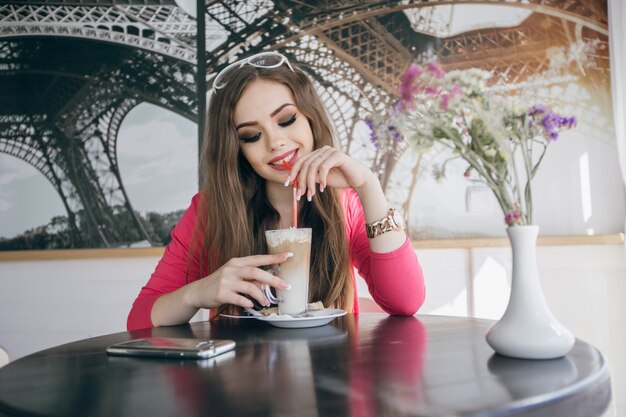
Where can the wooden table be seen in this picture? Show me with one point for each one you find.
(358, 365)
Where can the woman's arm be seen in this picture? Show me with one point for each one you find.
(329, 166)
(394, 279)
(387, 262)
(177, 288)
(178, 266)
(375, 207)
(232, 283)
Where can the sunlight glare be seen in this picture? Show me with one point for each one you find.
(585, 186)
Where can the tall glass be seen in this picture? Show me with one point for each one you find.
(295, 270)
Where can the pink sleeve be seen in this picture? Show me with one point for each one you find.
(178, 266)
(394, 279)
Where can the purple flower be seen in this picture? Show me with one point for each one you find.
(435, 69)
(456, 90)
(568, 122)
(537, 108)
(395, 135)
(444, 101)
(373, 137)
(513, 218)
(409, 86)
(431, 90)
(552, 123)
(446, 96)
(411, 74)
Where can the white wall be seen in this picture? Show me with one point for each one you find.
(65, 300)
(562, 202)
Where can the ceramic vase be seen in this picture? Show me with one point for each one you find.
(528, 330)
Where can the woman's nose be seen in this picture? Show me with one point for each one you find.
(275, 140)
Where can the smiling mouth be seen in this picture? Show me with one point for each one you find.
(278, 163)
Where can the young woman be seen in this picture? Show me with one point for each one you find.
(265, 111)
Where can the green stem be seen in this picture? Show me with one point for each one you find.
(500, 194)
(522, 206)
(536, 167)
(527, 154)
(455, 143)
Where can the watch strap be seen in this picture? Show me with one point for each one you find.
(386, 224)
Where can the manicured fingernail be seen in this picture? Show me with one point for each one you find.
(309, 197)
(287, 182)
(289, 254)
(298, 196)
(285, 286)
(322, 187)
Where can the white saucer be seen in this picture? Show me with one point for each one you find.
(285, 321)
(318, 318)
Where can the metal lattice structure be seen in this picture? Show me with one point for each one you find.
(70, 71)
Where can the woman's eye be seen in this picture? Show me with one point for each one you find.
(249, 139)
(288, 122)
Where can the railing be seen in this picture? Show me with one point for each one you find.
(469, 243)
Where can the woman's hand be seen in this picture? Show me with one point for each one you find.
(328, 166)
(236, 279)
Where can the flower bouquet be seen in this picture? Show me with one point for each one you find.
(502, 145)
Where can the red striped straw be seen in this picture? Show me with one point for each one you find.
(294, 214)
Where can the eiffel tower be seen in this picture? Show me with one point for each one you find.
(70, 71)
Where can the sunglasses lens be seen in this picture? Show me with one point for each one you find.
(266, 60)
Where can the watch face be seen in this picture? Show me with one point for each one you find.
(397, 218)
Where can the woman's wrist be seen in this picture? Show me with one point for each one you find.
(189, 295)
(174, 308)
(372, 198)
(375, 208)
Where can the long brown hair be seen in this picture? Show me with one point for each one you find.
(236, 210)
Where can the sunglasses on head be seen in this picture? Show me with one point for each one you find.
(260, 60)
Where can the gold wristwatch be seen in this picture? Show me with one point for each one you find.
(392, 221)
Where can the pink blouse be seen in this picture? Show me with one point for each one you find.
(394, 279)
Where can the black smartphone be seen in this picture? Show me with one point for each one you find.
(170, 347)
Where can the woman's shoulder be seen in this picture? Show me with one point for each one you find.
(197, 200)
(194, 211)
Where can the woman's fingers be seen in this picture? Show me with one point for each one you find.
(240, 278)
(260, 260)
(307, 168)
(311, 177)
(237, 299)
(234, 285)
(330, 160)
(251, 273)
(327, 167)
(247, 268)
(252, 290)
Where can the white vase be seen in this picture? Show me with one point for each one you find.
(528, 329)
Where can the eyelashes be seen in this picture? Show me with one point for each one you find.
(250, 139)
(288, 122)
(257, 136)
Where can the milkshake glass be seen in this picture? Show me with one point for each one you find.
(295, 270)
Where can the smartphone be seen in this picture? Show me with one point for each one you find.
(170, 347)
